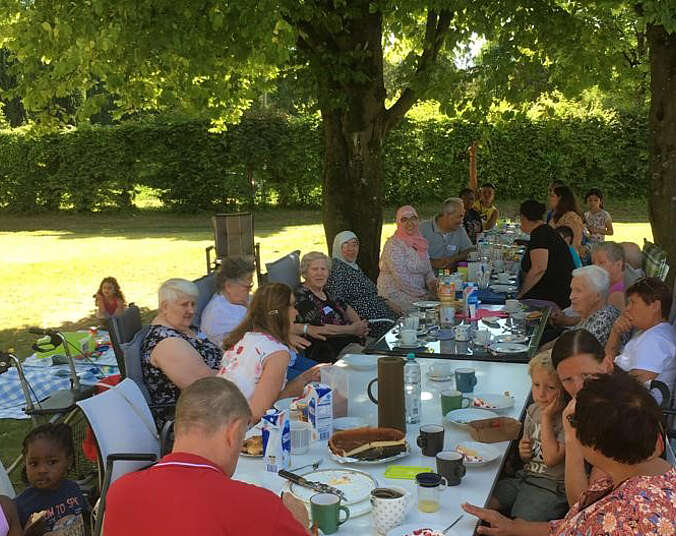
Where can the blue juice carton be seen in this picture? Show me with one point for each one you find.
(276, 440)
(320, 410)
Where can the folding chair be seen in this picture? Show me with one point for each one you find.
(207, 287)
(6, 487)
(654, 261)
(122, 329)
(125, 433)
(285, 270)
(233, 235)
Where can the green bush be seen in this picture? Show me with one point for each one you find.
(264, 160)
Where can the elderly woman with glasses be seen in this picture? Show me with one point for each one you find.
(589, 303)
(227, 307)
(618, 427)
(406, 274)
(348, 282)
(319, 308)
(173, 354)
(651, 353)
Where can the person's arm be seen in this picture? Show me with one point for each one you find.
(181, 363)
(608, 230)
(121, 306)
(621, 326)
(553, 452)
(12, 516)
(269, 386)
(295, 387)
(503, 526)
(100, 309)
(490, 223)
(289, 524)
(643, 376)
(539, 258)
(617, 300)
(575, 474)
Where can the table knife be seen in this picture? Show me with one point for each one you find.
(317, 486)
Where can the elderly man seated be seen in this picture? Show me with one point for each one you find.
(590, 309)
(191, 490)
(651, 352)
(447, 238)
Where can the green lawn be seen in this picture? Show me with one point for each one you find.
(54, 263)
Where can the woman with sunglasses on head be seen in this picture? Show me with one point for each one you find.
(618, 427)
(257, 355)
(406, 274)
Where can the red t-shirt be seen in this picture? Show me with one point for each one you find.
(188, 494)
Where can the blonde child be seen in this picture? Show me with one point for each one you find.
(537, 492)
(109, 299)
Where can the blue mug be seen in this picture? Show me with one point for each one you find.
(465, 380)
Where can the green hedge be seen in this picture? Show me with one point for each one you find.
(94, 168)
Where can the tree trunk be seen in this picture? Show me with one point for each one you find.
(662, 202)
(353, 117)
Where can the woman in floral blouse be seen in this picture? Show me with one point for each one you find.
(406, 274)
(618, 426)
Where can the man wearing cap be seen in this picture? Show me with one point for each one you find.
(447, 238)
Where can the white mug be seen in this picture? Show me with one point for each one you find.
(462, 332)
(408, 336)
(387, 513)
(512, 305)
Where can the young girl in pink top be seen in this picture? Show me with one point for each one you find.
(109, 299)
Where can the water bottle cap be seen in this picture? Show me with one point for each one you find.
(410, 355)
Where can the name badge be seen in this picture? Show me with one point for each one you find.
(327, 310)
(451, 248)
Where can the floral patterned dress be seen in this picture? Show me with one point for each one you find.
(639, 506)
(404, 275)
(161, 388)
(600, 323)
(353, 287)
(243, 363)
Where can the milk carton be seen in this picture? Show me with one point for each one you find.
(319, 398)
(470, 300)
(276, 440)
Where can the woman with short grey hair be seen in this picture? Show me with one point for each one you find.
(173, 355)
(589, 303)
(610, 257)
(228, 306)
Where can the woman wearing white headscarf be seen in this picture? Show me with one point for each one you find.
(349, 283)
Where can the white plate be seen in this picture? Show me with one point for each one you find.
(492, 401)
(460, 417)
(439, 378)
(361, 361)
(503, 288)
(409, 346)
(426, 304)
(409, 528)
(356, 485)
(347, 423)
(486, 453)
(342, 459)
(509, 348)
(511, 338)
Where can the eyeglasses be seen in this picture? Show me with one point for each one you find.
(245, 284)
(406, 219)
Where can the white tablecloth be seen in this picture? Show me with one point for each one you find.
(477, 483)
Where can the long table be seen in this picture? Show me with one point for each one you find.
(476, 486)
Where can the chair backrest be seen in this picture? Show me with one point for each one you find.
(654, 261)
(285, 270)
(6, 487)
(122, 423)
(206, 286)
(233, 234)
(122, 328)
(131, 352)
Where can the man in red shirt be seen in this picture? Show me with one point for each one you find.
(190, 490)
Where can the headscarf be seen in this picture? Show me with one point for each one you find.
(416, 240)
(338, 242)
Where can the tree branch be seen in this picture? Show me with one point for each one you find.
(436, 28)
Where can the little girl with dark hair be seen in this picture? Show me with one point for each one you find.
(597, 221)
(109, 299)
(51, 502)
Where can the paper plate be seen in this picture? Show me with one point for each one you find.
(509, 348)
(461, 417)
(356, 485)
(476, 454)
(412, 529)
(361, 361)
(491, 401)
(426, 304)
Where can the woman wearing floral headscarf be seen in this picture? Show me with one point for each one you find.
(349, 283)
(406, 274)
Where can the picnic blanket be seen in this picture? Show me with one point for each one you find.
(44, 378)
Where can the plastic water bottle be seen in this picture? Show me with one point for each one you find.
(412, 389)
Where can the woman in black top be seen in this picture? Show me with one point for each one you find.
(547, 264)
